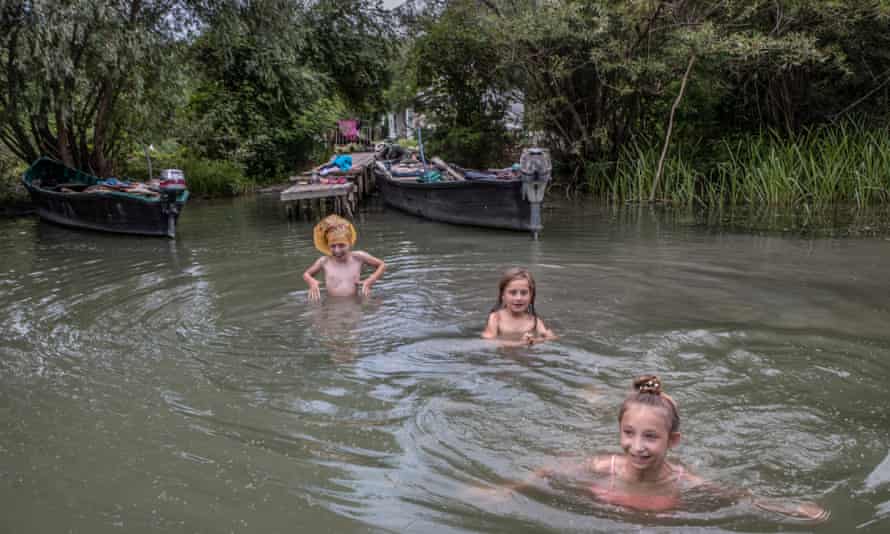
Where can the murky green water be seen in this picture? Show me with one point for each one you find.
(156, 386)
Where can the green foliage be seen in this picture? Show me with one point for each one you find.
(273, 77)
(204, 177)
(81, 78)
(408, 143)
(353, 42)
(403, 89)
(464, 91)
(466, 146)
(214, 177)
(599, 77)
(11, 189)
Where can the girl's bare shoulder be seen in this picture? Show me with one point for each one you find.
(690, 479)
(601, 463)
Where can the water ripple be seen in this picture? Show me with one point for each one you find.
(190, 385)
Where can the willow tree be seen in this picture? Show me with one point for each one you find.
(272, 76)
(79, 79)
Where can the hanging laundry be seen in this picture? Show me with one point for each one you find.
(348, 129)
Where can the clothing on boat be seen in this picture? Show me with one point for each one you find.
(343, 161)
(348, 129)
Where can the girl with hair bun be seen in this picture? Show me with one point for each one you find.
(642, 478)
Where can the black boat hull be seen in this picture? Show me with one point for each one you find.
(488, 203)
(123, 216)
(121, 213)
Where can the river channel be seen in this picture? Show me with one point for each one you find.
(152, 385)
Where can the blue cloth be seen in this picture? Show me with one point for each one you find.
(476, 175)
(113, 182)
(430, 177)
(344, 161)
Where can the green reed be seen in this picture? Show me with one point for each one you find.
(632, 177)
(818, 167)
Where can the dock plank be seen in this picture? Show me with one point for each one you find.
(310, 191)
(310, 200)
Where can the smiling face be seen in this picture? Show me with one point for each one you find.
(339, 250)
(646, 437)
(517, 295)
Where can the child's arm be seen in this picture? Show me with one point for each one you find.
(532, 480)
(806, 510)
(542, 333)
(491, 327)
(309, 277)
(379, 267)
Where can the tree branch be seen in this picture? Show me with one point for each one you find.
(667, 137)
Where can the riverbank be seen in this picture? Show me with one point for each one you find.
(828, 181)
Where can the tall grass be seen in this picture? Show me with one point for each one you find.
(635, 170)
(819, 167)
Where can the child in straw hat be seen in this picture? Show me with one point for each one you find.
(334, 236)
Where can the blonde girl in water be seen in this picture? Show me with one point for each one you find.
(642, 478)
(513, 320)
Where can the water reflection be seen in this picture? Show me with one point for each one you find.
(189, 386)
(336, 324)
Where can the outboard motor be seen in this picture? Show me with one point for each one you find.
(535, 167)
(172, 184)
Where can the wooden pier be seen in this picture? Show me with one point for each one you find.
(315, 200)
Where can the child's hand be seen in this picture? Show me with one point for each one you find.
(488, 495)
(811, 512)
(366, 288)
(528, 338)
(805, 511)
(314, 292)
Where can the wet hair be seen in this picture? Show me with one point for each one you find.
(647, 391)
(516, 273)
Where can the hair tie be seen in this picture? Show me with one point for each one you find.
(648, 384)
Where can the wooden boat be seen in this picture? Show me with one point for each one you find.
(507, 198)
(70, 197)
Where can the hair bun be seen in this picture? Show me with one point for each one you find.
(648, 384)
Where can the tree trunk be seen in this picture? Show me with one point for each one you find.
(98, 161)
(667, 136)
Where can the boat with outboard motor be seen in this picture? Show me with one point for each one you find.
(502, 198)
(74, 198)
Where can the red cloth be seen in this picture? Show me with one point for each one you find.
(348, 129)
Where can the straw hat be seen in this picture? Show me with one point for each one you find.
(333, 229)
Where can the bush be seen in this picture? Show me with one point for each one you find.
(11, 189)
(466, 146)
(204, 177)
